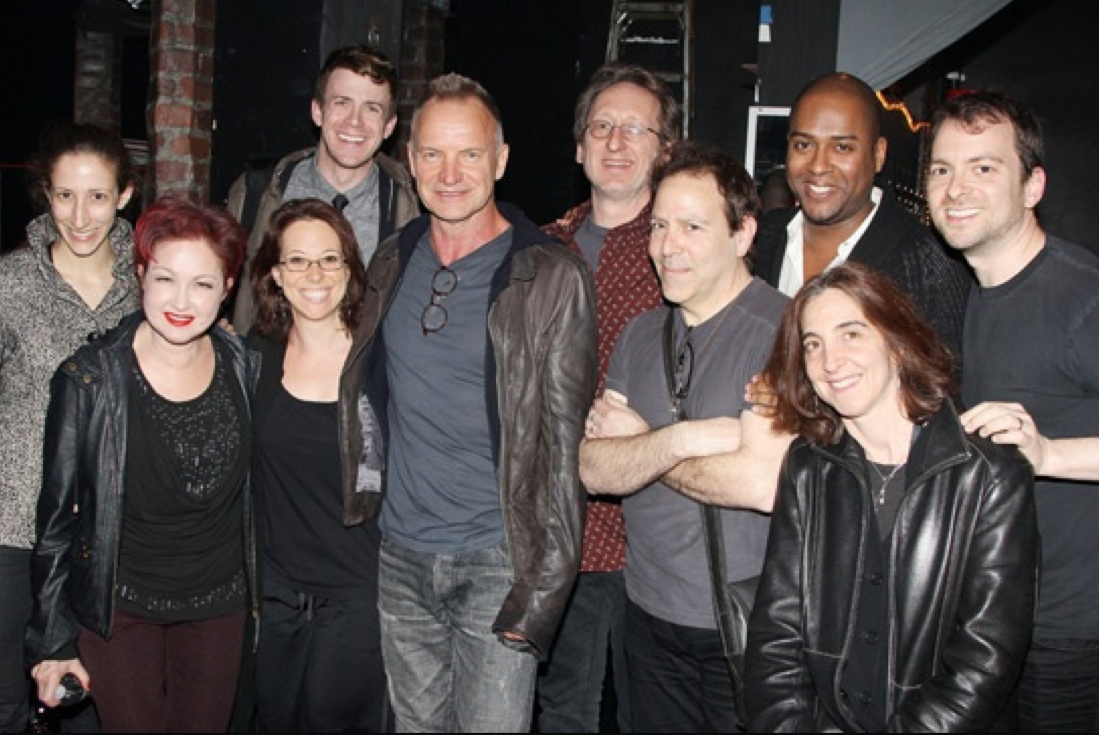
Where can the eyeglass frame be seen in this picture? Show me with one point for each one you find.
(631, 131)
(336, 258)
(438, 293)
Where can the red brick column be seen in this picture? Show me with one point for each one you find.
(423, 49)
(181, 95)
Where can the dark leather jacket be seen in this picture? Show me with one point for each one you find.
(961, 590)
(933, 275)
(79, 518)
(540, 377)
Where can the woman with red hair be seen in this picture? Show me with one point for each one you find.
(144, 560)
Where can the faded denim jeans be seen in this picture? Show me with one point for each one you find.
(448, 672)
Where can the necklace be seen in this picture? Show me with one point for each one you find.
(885, 478)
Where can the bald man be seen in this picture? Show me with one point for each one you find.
(835, 150)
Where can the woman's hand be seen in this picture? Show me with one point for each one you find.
(47, 676)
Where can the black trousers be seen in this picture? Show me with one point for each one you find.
(679, 679)
(318, 667)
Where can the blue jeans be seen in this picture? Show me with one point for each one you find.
(679, 679)
(448, 672)
(570, 684)
(15, 613)
(1059, 691)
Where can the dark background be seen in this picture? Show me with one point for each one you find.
(535, 55)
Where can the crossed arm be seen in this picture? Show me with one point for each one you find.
(721, 461)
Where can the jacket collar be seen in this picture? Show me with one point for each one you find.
(525, 235)
(940, 444)
(42, 233)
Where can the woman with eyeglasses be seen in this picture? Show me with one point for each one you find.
(898, 588)
(318, 664)
(143, 565)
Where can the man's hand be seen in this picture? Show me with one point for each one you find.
(612, 418)
(1008, 423)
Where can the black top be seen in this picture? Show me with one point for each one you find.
(297, 477)
(182, 548)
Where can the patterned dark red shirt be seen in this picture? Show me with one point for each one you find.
(625, 286)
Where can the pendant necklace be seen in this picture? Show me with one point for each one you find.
(885, 478)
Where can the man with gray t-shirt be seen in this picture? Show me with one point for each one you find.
(675, 393)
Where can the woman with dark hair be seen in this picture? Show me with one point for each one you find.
(144, 555)
(72, 279)
(898, 589)
(318, 665)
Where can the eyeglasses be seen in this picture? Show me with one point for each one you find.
(601, 130)
(684, 366)
(300, 263)
(443, 284)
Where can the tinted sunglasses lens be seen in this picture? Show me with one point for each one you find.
(444, 282)
(433, 319)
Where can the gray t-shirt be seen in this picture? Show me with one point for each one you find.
(590, 238)
(362, 209)
(442, 494)
(666, 569)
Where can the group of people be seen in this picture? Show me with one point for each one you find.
(402, 459)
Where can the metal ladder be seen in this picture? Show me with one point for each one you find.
(657, 36)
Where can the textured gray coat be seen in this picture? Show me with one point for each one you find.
(43, 321)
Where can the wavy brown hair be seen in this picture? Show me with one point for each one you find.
(273, 315)
(924, 362)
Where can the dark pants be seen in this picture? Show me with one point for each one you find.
(319, 664)
(1059, 691)
(15, 612)
(679, 679)
(570, 684)
(164, 677)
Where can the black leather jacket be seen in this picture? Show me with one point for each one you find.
(79, 517)
(963, 559)
(541, 373)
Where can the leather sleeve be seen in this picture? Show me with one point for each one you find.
(59, 515)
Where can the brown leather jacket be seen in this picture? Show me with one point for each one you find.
(542, 330)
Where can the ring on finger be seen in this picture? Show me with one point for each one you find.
(1020, 418)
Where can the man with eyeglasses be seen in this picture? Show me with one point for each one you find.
(675, 394)
(625, 120)
(477, 349)
(354, 107)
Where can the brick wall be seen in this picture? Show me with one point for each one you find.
(179, 114)
(96, 84)
(422, 54)
(181, 84)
